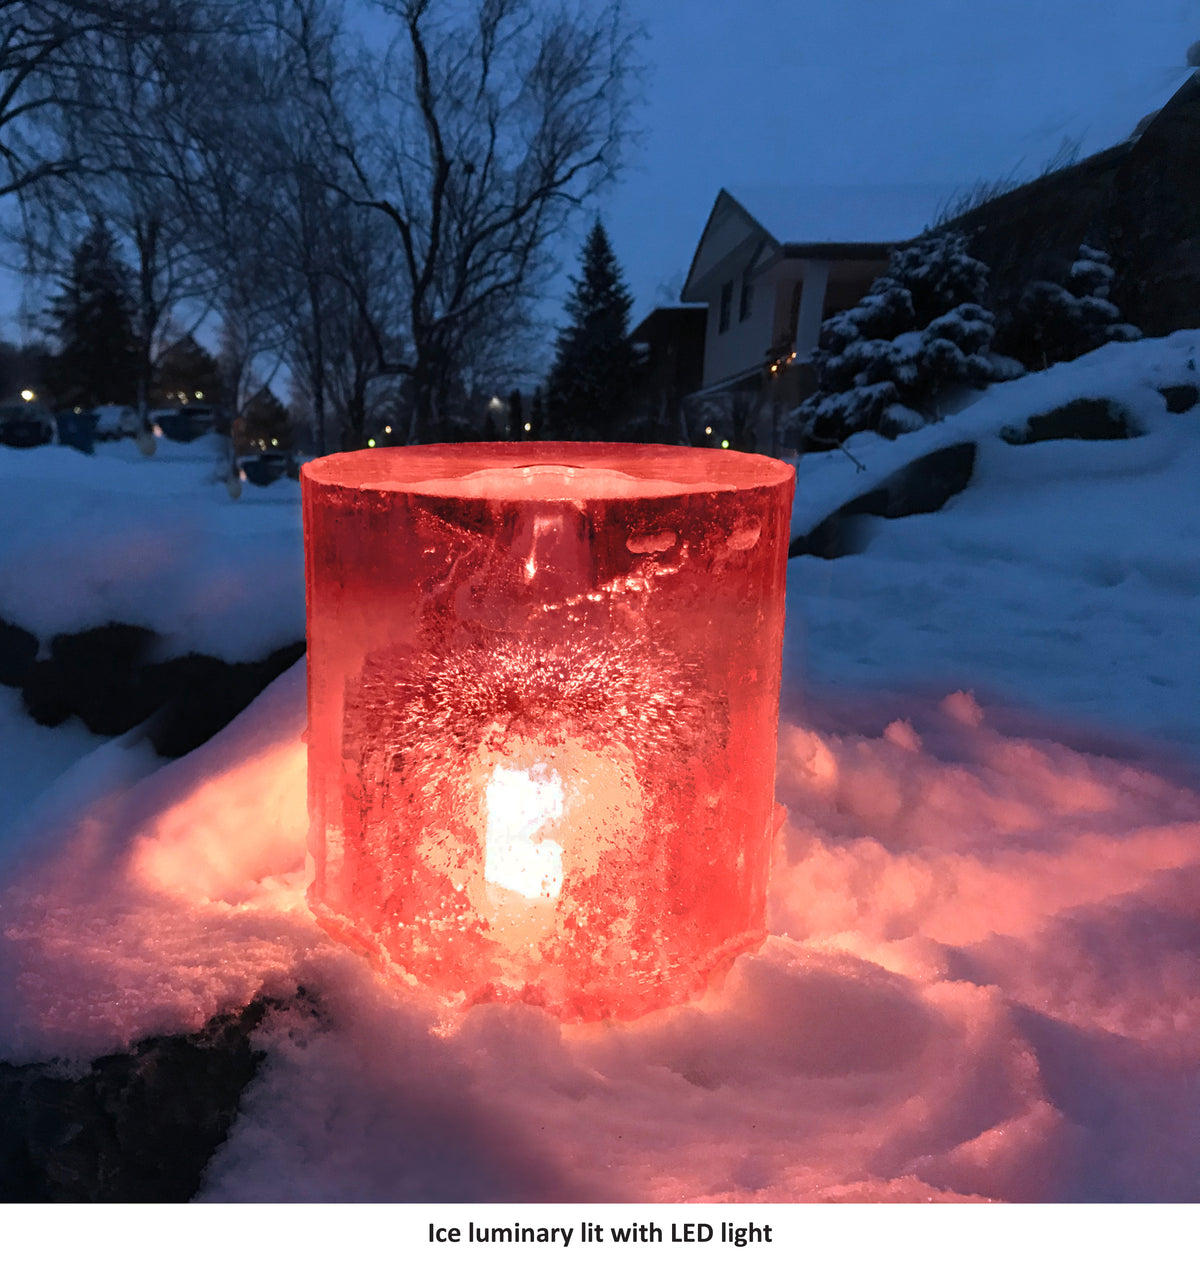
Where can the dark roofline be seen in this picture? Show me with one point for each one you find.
(1109, 157)
(654, 318)
(839, 251)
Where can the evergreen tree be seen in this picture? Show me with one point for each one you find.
(92, 320)
(264, 423)
(187, 368)
(537, 416)
(589, 387)
(1054, 322)
(886, 363)
(516, 415)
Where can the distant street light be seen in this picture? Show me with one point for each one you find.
(28, 395)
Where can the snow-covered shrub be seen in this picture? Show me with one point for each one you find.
(1054, 322)
(886, 363)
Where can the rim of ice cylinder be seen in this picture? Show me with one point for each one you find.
(650, 470)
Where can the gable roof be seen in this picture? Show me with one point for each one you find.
(817, 221)
(844, 214)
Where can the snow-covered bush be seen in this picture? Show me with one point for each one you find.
(1054, 322)
(886, 363)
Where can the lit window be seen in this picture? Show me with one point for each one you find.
(726, 306)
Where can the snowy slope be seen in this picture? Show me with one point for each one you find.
(982, 976)
(1064, 580)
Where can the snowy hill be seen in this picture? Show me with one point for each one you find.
(982, 976)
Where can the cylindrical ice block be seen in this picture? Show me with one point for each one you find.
(543, 685)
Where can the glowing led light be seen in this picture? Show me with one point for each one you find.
(387, 429)
(199, 395)
(528, 426)
(708, 429)
(370, 442)
(516, 855)
(28, 395)
(725, 443)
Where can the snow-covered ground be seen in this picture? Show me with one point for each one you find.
(88, 540)
(982, 979)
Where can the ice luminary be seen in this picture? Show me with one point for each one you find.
(543, 685)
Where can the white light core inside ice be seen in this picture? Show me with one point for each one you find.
(518, 804)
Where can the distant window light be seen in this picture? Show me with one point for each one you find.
(726, 306)
(746, 301)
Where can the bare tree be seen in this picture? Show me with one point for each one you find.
(46, 46)
(296, 265)
(123, 109)
(475, 134)
(353, 274)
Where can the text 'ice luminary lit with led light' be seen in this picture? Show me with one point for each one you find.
(543, 685)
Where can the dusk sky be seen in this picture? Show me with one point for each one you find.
(842, 92)
(796, 92)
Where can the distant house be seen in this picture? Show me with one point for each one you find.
(670, 341)
(773, 263)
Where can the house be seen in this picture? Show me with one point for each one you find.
(773, 263)
(670, 343)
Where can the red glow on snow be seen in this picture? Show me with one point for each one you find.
(543, 688)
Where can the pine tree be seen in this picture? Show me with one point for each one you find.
(92, 319)
(265, 422)
(188, 369)
(537, 416)
(589, 388)
(516, 415)
(1055, 322)
(886, 363)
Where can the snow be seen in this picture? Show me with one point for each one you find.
(155, 542)
(1128, 373)
(844, 213)
(981, 980)
(33, 756)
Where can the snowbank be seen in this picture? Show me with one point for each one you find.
(1127, 373)
(1064, 580)
(86, 540)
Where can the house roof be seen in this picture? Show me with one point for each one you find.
(813, 221)
(844, 214)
